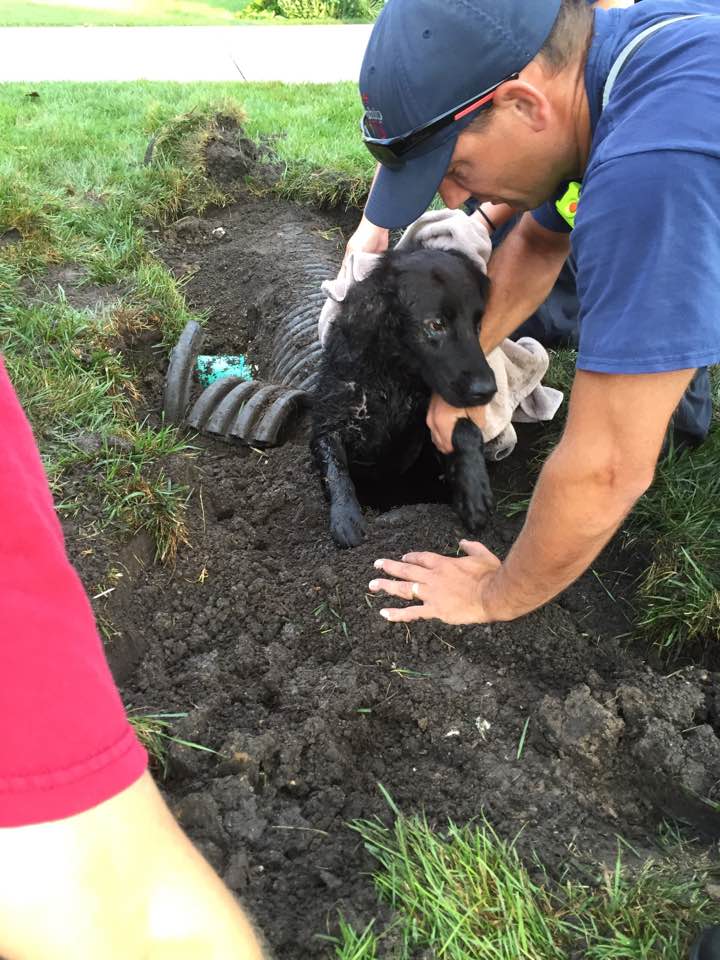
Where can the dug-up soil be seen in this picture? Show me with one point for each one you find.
(264, 633)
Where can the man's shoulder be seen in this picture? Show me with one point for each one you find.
(667, 97)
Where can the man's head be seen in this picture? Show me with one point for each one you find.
(428, 57)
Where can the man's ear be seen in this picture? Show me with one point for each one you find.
(520, 100)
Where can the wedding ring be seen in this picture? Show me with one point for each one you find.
(415, 591)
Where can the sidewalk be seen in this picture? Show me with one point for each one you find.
(314, 54)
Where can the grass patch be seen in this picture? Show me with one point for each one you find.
(466, 894)
(124, 13)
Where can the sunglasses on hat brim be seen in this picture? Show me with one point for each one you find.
(390, 151)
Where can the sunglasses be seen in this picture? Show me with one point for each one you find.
(389, 151)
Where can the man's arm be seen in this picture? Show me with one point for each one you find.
(523, 271)
(116, 882)
(603, 464)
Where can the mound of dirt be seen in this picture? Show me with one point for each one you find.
(266, 634)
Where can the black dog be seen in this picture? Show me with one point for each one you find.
(409, 329)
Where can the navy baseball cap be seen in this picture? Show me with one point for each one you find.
(425, 57)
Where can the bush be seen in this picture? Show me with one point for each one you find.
(316, 9)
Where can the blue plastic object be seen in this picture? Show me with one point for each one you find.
(209, 369)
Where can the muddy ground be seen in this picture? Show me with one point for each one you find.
(264, 632)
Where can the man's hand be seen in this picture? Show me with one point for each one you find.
(603, 464)
(368, 239)
(441, 419)
(453, 589)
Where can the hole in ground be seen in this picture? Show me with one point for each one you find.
(422, 482)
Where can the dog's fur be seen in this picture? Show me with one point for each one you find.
(409, 329)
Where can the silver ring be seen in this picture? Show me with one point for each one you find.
(415, 591)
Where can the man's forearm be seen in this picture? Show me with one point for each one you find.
(523, 271)
(574, 512)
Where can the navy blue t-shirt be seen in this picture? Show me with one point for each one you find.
(647, 228)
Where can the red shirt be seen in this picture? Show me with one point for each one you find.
(66, 744)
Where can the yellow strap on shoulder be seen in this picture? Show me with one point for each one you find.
(567, 204)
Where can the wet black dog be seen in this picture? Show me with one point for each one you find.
(409, 329)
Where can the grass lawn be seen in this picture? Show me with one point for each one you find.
(131, 13)
(73, 189)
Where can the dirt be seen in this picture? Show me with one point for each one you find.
(265, 634)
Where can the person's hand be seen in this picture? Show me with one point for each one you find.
(453, 589)
(441, 419)
(368, 239)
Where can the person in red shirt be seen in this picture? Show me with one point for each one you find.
(93, 863)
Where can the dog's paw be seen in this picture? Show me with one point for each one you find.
(472, 495)
(347, 524)
(473, 502)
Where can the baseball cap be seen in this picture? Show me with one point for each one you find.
(423, 58)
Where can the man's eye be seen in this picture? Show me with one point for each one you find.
(435, 325)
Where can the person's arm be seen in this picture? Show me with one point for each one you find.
(522, 272)
(93, 865)
(603, 464)
(119, 882)
(368, 238)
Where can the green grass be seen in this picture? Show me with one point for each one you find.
(74, 186)
(138, 13)
(154, 731)
(466, 894)
(679, 518)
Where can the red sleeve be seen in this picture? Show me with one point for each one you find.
(65, 742)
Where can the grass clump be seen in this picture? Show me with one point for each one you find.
(154, 731)
(462, 895)
(79, 394)
(679, 518)
(467, 894)
(350, 945)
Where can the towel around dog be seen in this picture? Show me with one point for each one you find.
(518, 366)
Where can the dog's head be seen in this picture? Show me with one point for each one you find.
(439, 300)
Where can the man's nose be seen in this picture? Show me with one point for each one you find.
(452, 195)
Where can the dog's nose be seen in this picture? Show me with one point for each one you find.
(482, 390)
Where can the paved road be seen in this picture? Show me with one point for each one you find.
(315, 54)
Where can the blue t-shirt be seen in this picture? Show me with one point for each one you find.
(647, 228)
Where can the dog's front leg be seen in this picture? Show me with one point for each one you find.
(467, 474)
(347, 524)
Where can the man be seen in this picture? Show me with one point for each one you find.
(518, 90)
(94, 867)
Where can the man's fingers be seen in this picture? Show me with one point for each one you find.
(474, 548)
(424, 559)
(395, 568)
(406, 614)
(439, 441)
(403, 589)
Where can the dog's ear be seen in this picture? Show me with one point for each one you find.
(370, 313)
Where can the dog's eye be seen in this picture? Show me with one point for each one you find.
(435, 325)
